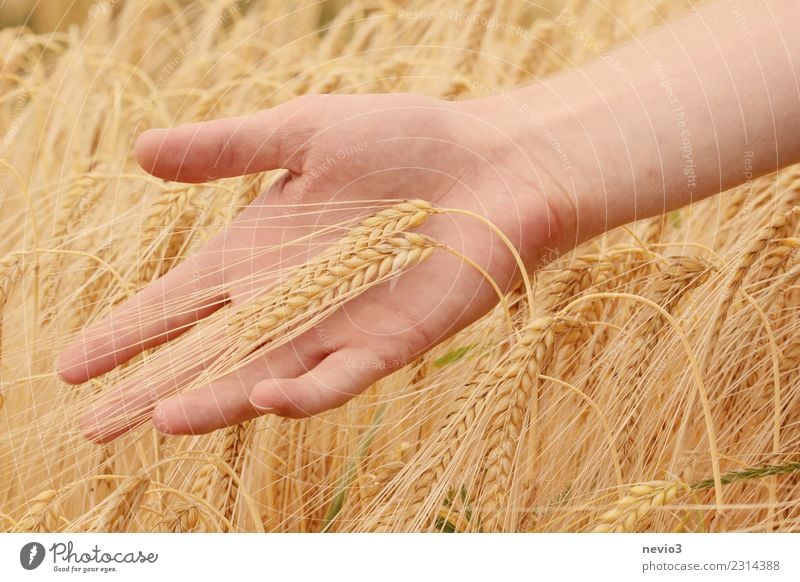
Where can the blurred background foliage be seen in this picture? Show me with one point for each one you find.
(43, 15)
(50, 15)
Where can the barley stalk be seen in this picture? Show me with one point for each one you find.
(10, 274)
(167, 223)
(75, 201)
(42, 513)
(185, 520)
(497, 395)
(640, 500)
(626, 512)
(462, 415)
(516, 383)
(121, 506)
(370, 253)
(780, 227)
(670, 287)
(234, 448)
(487, 443)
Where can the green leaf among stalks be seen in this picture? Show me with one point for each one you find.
(750, 473)
(452, 356)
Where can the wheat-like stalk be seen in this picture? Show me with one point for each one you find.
(373, 251)
(496, 429)
(234, 447)
(10, 273)
(11, 268)
(640, 500)
(121, 506)
(515, 386)
(499, 394)
(185, 519)
(166, 225)
(42, 513)
(82, 192)
(780, 227)
(463, 414)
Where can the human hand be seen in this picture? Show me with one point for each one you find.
(363, 149)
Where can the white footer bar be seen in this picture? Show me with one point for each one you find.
(378, 557)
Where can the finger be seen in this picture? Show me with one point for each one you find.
(339, 377)
(156, 314)
(174, 303)
(220, 404)
(267, 140)
(226, 402)
(117, 415)
(131, 403)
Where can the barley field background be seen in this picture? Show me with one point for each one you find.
(646, 381)
(44, 15)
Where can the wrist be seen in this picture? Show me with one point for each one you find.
(539, 139)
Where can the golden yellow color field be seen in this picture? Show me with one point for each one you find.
(647, 381)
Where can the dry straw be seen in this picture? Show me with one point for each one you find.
(665, 352)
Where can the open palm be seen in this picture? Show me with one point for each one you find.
(336, 148)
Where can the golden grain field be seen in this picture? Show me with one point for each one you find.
(646, 381)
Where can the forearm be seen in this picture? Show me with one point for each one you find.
(692, 109)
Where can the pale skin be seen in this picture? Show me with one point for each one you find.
(664, 121)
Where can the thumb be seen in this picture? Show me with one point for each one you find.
(268, 140)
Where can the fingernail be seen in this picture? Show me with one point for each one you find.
(264, 409)
(261, 406)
